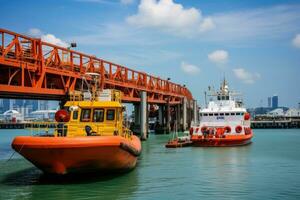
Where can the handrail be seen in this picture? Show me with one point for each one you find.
(52, 128)
(44, 55)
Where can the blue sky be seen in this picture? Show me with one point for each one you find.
(255, 44)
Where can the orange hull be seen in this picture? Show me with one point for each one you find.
(178, 144)
(62, 155)
(229, 140)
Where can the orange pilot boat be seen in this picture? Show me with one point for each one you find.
(89, 137)
(224, 122)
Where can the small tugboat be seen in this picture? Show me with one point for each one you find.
(224, 122)
(179, 141)
(89, 137)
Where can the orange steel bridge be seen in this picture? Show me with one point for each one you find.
(31, 68)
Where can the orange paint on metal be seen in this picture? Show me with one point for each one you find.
(61, 155)
(29, 65)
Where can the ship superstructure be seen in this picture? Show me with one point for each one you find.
(223, 117)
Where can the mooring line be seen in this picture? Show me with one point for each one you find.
(15, 152)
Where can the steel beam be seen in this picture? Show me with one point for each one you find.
(41, 65)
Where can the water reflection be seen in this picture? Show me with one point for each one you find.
(34, 184)
(269, 168)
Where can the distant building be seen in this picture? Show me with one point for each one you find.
(12, 116)
(293, 112)
(259, 111)
(25, 106)
(5, 105)
(42, 105)
(269, 102)
(284, 112)
(32, 105)
(45, 115)
(276, 112)
(275, 101)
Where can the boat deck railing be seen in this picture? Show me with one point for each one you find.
(61, 129)
(45, 128)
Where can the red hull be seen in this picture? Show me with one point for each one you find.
(228, 141)
(61, 155)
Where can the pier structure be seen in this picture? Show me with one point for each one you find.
(33, 69)
(276, 123)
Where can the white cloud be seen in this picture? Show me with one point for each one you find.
(218, 56)
(35, 32)
(54, 40)
(259, 23)
(169, 16)
(296, 41)
(245, 76)
(189, 68)
(50, 38)
(207, 24)
(126, 2)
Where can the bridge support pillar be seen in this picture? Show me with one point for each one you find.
(137, 119)
(168, 117)
(178, 117)
(160, 127)
(195, 112)
(143, 112)
(184, 114)
(161, 115)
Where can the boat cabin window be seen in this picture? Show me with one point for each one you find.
(98, 115)
(226, 114)
(222, 114)
(110, 114)
(223, 97)
(216, 114)
(75, 114)
(232, 113)
(85, 115)
(205, 114)
(238, 113)
(210, 114)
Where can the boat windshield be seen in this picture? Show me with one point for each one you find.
(223, 97)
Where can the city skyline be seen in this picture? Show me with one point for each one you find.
(26, 106)
(256, 45)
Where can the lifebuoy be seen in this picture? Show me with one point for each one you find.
(227, 129)
(246, 116)
(238, 129)
(62, 116)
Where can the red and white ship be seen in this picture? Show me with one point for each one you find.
(224, 121)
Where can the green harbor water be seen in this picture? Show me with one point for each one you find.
(269, 168)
